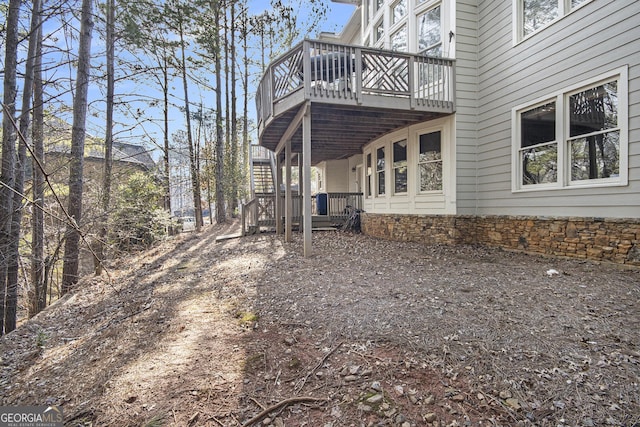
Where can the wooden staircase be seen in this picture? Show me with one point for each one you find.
(263, 179)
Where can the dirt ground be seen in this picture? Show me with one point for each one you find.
(365, 332)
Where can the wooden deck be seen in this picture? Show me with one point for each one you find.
(356, 94)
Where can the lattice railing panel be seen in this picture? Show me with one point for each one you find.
(385, 73)
(354, 75)
(287, 74)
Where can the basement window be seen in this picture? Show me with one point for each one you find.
(380, 168)
(400, 166)
(430, 161)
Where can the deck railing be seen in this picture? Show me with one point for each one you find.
(338, 205)
(261, 210)
(349, 74)
(259, 152)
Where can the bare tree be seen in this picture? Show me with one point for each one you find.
(195, 173)
(78, 132)
(38, 282)
(220, 208)
(7, 172)
(108, 138)
(234, 119)
(16, 219)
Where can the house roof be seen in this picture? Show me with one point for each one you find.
(122, 152)
(128, 153)
(58, 142)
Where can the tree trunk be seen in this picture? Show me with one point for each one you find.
(7, 171)
(167, 170)
(234, 118)
(229, 167)
(245, 89)
(37, 219)
(16, 219)
(108, 140)
(72, 234)
(195, 173)
(220, 209)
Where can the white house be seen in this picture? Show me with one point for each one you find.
(505, 122)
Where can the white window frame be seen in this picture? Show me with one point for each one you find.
(557, 141)
(405, 139)
(373, 152)
(369, 175)
(564, 9)
(379, 39)
(371, 18)
(391, 14)
(563, 140)
(417, 162)
(396, 27)
(384, 171)
(423, 8)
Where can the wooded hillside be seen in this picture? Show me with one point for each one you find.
(93, 91)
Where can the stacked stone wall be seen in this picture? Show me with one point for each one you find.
(601, 239)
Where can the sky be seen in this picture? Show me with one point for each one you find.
(337, 16)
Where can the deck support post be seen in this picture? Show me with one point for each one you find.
(288, 220)
(300, 191)
(278, 202)
(306, 169)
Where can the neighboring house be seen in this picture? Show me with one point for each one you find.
(504, 122)
(127, 159)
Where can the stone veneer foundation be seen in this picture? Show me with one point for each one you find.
(602, 239)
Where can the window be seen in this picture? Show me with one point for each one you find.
(430, 32)
(400, 166)
(398, 11)
(369, 175)
(399, 39)
(594, 134)
(576, 138)
(430, 162)
(535, 14)
(380, 166)
(378, 32)
(538, 144)
(538, 13)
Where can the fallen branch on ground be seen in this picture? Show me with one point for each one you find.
(302, 382)
(281, 404)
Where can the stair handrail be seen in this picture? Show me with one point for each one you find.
(249, 216)
(251, 180)
(272, 160)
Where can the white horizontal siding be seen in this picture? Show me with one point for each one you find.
(336, 176)
(599, 37)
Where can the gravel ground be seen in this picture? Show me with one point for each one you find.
(554, 341)
(365, 332)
